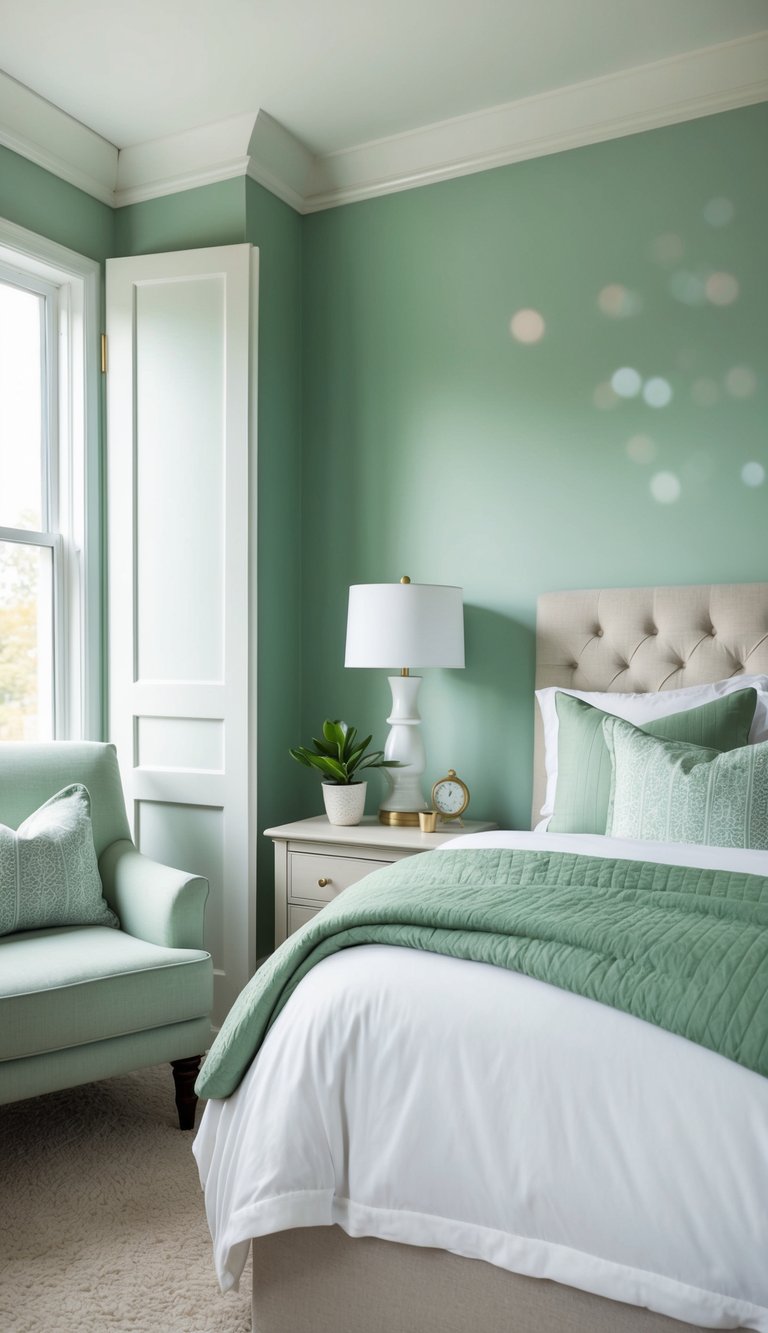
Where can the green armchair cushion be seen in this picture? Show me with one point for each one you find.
(48, 870)
(77, 985)
(85, 1002)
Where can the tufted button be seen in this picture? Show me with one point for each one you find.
(712, 632)
(598, 632)
(574, 666)
(654, 630)
(739, 666)
(681, 665)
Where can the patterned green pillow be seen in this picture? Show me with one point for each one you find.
(49, 875)
(584, 764)
(669, 791)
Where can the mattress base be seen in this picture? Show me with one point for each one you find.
(320, 1280)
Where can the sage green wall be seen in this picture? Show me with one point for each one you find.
(208, 215)
(33, 198)
(437, 445)
(424, 439)
(222, 214)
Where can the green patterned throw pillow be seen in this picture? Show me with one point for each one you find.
(668, 791)
(49, 875)
(584, 763)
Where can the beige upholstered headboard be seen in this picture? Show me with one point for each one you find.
(628, 639)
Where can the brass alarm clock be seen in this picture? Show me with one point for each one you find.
(450, 796)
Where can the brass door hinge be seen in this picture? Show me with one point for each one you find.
(103, 353)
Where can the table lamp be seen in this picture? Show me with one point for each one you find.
(401, 626)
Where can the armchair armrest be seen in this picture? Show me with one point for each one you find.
(153, 901)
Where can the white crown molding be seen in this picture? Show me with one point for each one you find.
(698, 83)
(201, 156)
(43, 134)
(179, 181)
(251, 145)
(279, 161)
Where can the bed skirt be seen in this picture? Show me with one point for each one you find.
(319, 1280)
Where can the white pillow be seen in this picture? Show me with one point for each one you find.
(640, 708)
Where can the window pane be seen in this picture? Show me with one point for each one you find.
(26, 642)
(21, 408)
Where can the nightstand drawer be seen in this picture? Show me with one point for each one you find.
(317, 878)
(299, 916)
(310, 850)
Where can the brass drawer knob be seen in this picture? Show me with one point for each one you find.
(321, 883)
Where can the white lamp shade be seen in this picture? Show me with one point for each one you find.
(412, 625)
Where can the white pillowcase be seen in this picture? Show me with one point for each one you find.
(640, 708)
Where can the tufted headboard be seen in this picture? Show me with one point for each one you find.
(628, 639)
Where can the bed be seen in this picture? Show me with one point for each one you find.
(387, 1208)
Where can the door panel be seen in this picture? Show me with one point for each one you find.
(181, 513)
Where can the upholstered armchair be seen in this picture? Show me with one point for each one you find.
(83, 1002)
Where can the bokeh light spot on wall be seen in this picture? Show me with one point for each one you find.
(753, 474)
(527, 326)
(741, 382)
(667, 249)
(719, 212)
(705, 393)
(688, 287)
(657, 392)
(721, 288)
(626, 382)
(605, 397)
(641, 449)
(665, 487)
(618, 302)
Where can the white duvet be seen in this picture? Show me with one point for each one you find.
(446, 1103)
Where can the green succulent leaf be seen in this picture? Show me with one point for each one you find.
(331, 768)
(334, 734)
(323, 747)
(339, 754)
(376, 760)
(355, 757)
(302, 756)
(349, 740)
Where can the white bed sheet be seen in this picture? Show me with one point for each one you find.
(446, 1103)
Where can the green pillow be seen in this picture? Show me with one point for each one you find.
(667, 791)
(49, 875)
(584, 764)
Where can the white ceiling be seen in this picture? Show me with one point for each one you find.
(336, 73)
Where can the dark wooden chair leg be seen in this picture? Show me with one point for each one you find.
(184, 1074)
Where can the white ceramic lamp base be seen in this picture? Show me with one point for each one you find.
(405, 797)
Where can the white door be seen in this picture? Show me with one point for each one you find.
(181, 332)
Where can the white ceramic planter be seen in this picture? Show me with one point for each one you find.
(344, 805)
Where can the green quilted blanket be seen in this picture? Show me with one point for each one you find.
(682, 948)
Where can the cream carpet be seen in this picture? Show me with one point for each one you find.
(102, 1225)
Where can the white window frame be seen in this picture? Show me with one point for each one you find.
(72, 287)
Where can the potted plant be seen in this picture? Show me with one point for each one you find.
(339, 756)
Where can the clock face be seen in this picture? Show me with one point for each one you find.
(450, 797)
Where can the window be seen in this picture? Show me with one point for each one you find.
(30, 554)
(49, 598)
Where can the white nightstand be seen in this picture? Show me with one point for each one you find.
(315, 860)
